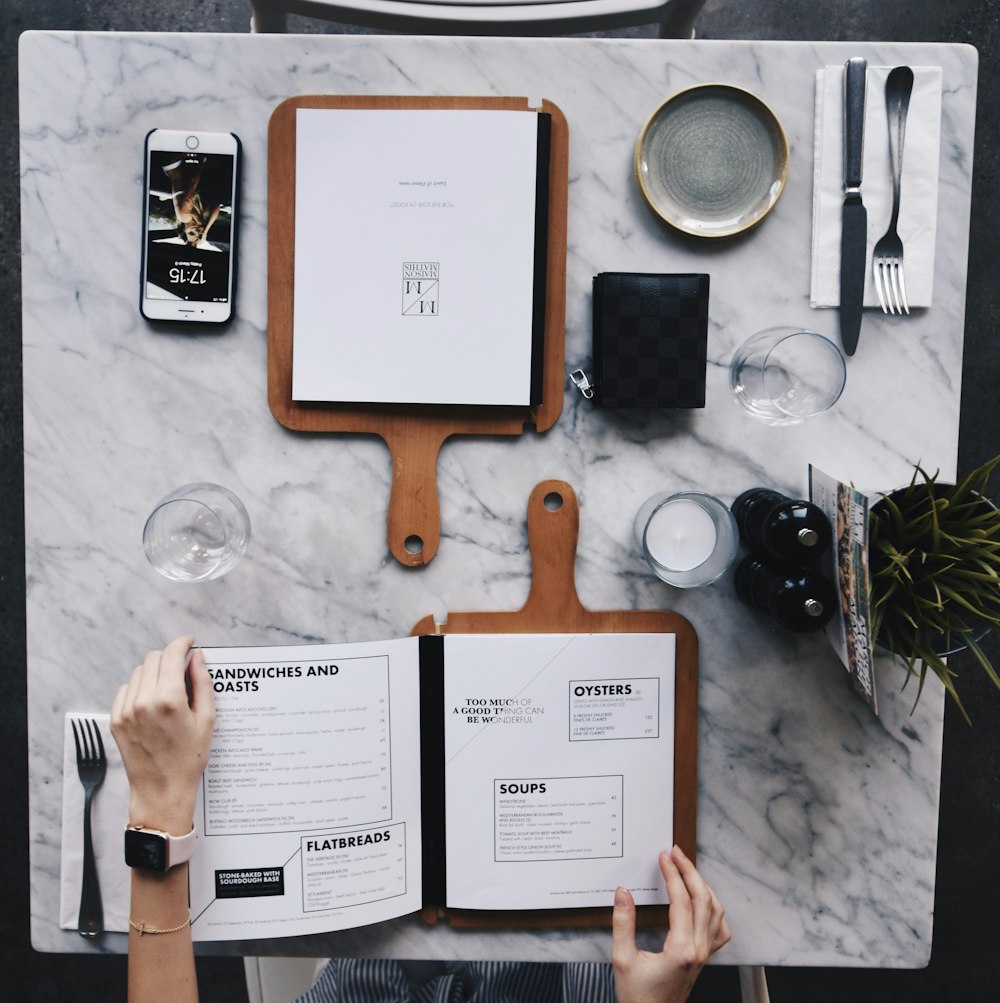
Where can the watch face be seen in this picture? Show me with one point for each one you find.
(145, 850)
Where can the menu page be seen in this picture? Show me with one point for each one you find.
(559, 753)
(414, 255)
(310, 803)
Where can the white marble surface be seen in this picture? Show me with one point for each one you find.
(817, 824)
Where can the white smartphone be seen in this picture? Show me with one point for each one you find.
(189, 226)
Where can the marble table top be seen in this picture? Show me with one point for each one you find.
(817, 823)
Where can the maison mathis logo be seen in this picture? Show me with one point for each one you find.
(421, 288)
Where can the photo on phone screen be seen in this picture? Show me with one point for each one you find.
(189, 227)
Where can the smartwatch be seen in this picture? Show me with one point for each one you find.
(156, 850)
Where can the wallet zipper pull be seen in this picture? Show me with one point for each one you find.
(579, 377)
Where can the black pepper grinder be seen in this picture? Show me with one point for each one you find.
(799, 599)
(788, 530)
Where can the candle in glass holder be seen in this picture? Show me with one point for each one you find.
(688, 539)
(681, 535)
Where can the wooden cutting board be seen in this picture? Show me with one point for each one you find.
(413, 433)
(553, 606)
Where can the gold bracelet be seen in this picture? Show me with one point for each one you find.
(143, 929)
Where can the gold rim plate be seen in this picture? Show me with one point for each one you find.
(712, 160)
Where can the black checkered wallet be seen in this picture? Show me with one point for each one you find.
(650, 340)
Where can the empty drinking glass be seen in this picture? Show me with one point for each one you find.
(196, 533)
(785, 375)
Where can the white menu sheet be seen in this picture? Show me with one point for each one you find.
(310, 807)
(559, 754)
(415, 235)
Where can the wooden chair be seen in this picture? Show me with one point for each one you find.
(480, 17)
(280, 980)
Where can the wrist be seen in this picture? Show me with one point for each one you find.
(176, 819)
(161, 882)
(172, 827)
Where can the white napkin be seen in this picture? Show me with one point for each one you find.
(919, 189)
(108, 815)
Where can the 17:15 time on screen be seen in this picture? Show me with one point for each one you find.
(190, 276)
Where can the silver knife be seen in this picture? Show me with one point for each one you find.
(854, 217)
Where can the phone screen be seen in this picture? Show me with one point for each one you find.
(189, 226)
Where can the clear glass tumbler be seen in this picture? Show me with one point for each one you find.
(785, 375)
(197, 533)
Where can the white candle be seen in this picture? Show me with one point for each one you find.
(681, 535)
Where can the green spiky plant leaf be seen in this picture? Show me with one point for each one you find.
(934, 561)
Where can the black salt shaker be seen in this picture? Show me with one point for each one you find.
(798, 599)
(788, 530)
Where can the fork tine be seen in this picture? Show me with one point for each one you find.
(99, 745)
(897, 296)
(890, 285)
(877, 276)
(902, 291)
(890, 295)
(76, 741)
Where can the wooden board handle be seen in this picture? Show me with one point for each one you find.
(553, 529)
(414, 519)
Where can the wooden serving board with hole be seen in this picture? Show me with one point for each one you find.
(413, 433)
(553, 606)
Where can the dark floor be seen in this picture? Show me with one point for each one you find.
(966, 960)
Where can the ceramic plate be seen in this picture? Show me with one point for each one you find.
(712, 160)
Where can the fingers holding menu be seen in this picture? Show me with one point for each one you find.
(695, 911)
(162, 720)
(698, 929)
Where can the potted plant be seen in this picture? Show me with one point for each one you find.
(934, 562)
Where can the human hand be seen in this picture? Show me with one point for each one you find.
(697, 930)
(164, 736)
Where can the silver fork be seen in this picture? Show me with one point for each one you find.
(887, 257)
(91, 765)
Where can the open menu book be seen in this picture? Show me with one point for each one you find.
(354, 783)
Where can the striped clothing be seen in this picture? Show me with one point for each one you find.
(381, 981)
